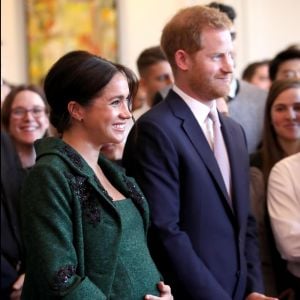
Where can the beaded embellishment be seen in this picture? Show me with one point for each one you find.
(82, 190)
(62, 277)
(134, 193)
(74, 157)
(87, 197)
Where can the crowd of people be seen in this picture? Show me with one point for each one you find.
(180, 184)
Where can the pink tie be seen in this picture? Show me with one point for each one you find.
(220, 151)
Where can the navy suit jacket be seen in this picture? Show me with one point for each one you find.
(204, 249)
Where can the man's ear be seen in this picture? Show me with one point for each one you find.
(182, 60)
(75, 110)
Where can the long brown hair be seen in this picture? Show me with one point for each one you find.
(272, 151)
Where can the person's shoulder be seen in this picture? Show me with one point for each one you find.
(246, 86)
(290, 162)
(54, 154)
(229, 121)
(6, 142)
(172, 105)
(160, 121)
(10, 160)
(157, 113)
(49, 149)
(294, 158)
(249, 91)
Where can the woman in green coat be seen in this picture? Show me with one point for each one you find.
(84, 223)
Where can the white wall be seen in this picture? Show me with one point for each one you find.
(141, 24)
(264, 27)
(269, 26)
(13, 41)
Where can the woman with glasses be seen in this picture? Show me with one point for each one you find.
(24, 119)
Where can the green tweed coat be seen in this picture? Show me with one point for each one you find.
(70, 226)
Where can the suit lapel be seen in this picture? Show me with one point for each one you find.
(234, 150)
(197, 138)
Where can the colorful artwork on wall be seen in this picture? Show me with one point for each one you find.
(55, 27)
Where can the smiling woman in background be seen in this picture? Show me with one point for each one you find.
(24, 116)
(85, 223)
(281, 138)
(281, 134)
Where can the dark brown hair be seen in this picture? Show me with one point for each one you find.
(227, 9)
(249, 71)
(280, 58)
(80, 76)
(9, 100)
(149, 57)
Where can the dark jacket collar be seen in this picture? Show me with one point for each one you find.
(193, 130)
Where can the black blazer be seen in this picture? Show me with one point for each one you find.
(204, 249)
(11, 249)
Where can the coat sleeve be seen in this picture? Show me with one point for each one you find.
(284, 208)
(48, 232)
(150, 157)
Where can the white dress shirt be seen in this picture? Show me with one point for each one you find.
(200, 111)
(284, 209)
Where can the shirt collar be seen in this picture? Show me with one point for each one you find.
(198, 108)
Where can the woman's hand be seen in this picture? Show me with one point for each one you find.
(17, 288)
(257, 296)
(165, 293)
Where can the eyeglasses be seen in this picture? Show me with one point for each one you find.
(20, 112)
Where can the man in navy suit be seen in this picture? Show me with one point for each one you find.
(203, 238)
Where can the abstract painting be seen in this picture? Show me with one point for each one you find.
(55, 27)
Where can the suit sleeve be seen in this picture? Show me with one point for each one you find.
(150, 156)
(47, 228)
(254, 276)
(252, 255)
